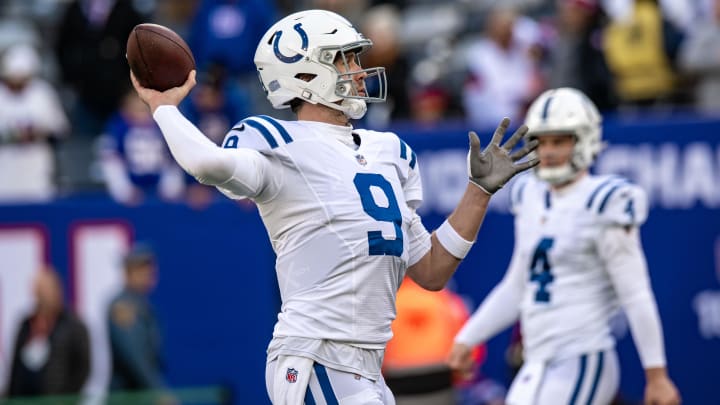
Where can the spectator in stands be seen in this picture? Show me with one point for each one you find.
(213, 106)
(52, 349)
(215, 103)
(135, 161)
(501, 73)
(353, 10)
(91, 52)
(227, 32)
(133, 327)
(382, 25)
(429, 104)
(31, 119)
(640, 51)
(576, 56)
(700, 57)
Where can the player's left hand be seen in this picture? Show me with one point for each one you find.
(461, 360)
(661, 391)
(494, 166)
(173, 96)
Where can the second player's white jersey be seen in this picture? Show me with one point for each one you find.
(339, 222)
(568, 298)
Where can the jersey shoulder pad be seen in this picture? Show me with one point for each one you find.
(518, 190)
(407, 154)
(261, 133)
(397, 148)
(617, 201)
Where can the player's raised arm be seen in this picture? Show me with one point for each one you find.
(488, 170)
(192, 150)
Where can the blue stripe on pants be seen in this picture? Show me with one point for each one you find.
(581, 376)
(308, 396)
(324, 381)
(596, 379)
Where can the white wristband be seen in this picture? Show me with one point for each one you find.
(452, 241)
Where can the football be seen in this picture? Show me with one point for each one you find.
(159, 57)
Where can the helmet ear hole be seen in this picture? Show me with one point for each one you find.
(306, 77)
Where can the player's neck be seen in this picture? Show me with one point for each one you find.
(321, 113)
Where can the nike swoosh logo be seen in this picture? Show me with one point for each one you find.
(240, 128)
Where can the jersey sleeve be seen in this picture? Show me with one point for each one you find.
(243, 172)
(517, 192)
(620, 203)
(261, 137)
(412, 184)
(622, 253)
(419, 240)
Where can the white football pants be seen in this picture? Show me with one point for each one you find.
(293, 380)
(588, 379)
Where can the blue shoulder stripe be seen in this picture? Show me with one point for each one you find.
(283, 132)
(516, 196)
(403, 149)
(607, 196)
(597, 190)
(264, 131)
(403, 153)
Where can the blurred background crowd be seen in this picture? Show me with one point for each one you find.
(69, 122)
(70, 125)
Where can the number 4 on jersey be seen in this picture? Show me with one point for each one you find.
(540, 269)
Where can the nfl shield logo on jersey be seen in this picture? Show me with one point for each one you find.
(291, 375)
(361, 159)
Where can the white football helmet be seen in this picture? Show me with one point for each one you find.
(566, 111)
(307, 43)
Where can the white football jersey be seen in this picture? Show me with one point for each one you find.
(568, 298)
(339, 220)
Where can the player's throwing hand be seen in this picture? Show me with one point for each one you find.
(173, 96)
(494, 166)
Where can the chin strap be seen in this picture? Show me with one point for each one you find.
(556, 175)
(353, 108)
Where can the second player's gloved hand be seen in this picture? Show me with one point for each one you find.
(491, 168)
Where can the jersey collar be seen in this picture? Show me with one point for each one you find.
(341, 133)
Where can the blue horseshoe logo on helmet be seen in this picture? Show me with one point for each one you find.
(296, 57)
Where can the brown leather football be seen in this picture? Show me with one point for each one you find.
(158, 57)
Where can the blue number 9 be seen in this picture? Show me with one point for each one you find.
(391, 213)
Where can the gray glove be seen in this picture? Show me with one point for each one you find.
(494, 166)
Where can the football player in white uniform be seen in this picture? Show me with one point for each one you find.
(338, 204)
(577, 259)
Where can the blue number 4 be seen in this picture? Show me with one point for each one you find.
(391, 213)
(540, 270)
